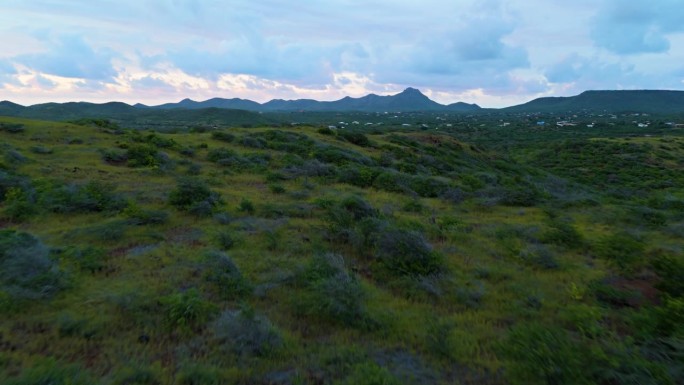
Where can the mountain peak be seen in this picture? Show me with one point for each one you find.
(411, 91)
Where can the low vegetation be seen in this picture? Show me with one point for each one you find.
(475, 253)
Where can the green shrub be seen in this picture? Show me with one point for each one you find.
(89, 258)
(622, 249)
(193, 193)
(670, 269)
(195, 374)
(245, 333)
(142, 155)
(369, 373)
(12, 128)
(276, 188)
(563, 233)
(19, 204)
(539, 256)
(187, 310)
(50, 372)
(140, 217)
(113, 156)
(406, 253)
(549, 355)
(356, 138)
(26, 270)
(224, 275)
(223, 136)
(94, 196)
(246, 206)
(332, 293)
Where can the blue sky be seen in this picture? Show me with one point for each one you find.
(492, 52)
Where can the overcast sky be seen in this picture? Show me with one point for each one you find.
(494, 53)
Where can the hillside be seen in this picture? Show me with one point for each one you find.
(410, 99)
(306, 255)
(140, 118)
(644, 101)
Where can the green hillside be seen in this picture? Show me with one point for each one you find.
(640, 101)
(306, 255)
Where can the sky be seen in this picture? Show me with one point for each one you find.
(494, 53)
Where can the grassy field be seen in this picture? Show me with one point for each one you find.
(303, 255)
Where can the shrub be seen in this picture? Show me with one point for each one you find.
(276, 188)
(142, 155)
(225, 241)
(521, 196)
(369, 373)
(92, 259)
(246, 206)
(40, 150)
(50, 372)
(358, 176)
(26, 270)
(356, 138)
(13, 128)
(191, 192)
(19, 204)
(217, 154)
(139, 216)
(187, 310)
(221, 271)
(114, 156)
(562, 233)
(333, 294)
(245, 333)
(622, 249)
(670, 269)
(94, 196)
(406, 253)
(539, 256)
(549, 355)
(223, 136)
(200, 375)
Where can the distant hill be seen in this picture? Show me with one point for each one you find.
(136, 117)
(648, 101)
(408, 100)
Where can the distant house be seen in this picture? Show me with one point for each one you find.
(541, 123)
(642, 125)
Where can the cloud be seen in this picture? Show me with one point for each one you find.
(637, 26)
(71, 57)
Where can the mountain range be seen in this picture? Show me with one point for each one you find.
(408, 100)
(246, 111)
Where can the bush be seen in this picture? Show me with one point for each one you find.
(114, 156)
(94, 196)
(539, 256)
(192, 192)
(407, 253)
(187, 310)
(549, 355)
(670, 269)
(12, 128)
(333, 294)
(369, 373)
(624, 250)
(356, 138)
(92, 259)
(223, 136)
(26, 270)
(245, 333)
(143, 155)
(139, 216)
(221, 271)
(563, 234)
(50, 372)
(246, 206)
